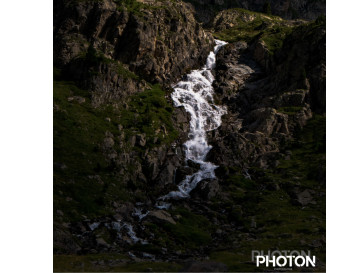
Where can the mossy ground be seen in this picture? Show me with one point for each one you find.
(79, 130)
(102, 263)
(280, 222)
(270, 29)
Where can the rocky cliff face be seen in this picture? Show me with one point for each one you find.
(288, 9)
(270, 94)
(143, 36)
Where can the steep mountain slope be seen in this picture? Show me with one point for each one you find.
(118, 138)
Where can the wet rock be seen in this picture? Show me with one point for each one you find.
(193, 164)
(206, 189)
(182, 172)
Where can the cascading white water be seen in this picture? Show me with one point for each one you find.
(195, 94)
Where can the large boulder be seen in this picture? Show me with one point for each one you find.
(161, 216)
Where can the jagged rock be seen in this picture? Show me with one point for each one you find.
(193, 164)
(182, 172)
(141, 139)
(206, 189)
(261, 54)
(167, 175)
(289, 9)
(229, 18)
(149, 43)
(267, 121)
(161, 216)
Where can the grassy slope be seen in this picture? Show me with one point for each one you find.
(79, 130)
(271, 29)
(281, 224)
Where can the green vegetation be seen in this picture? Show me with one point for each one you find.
(191, 230)
(81, 173)
(236, 261)
(270, 29)
(290, 110)
(93, 58)
(98, 263)
(269, 199)
(149, 112)
(135, 7)
(78, 131)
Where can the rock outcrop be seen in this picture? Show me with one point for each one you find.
(269, 96)
(206, 10)
(158, 41)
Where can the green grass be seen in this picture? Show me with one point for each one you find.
(150, 113)
(136, 8)
(280, 222)
(108, 262)
(236, 261)
(191, 230)
(270, 29)
(93, 58)
(79, 130)
(290, 110)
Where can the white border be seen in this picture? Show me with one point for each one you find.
(26, 136)
(338, 133)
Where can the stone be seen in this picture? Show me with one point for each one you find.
(193, 164)
(206, 189)
(60, 212)
(101, 242)
(304, 198)
(141, 139)
(77, 99)
(161, 216)
(132, 141)
(108, 143)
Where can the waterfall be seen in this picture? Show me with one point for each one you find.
(195, 94)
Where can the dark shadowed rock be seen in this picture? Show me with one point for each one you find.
(206, 189)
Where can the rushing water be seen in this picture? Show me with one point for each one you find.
(195, 94)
